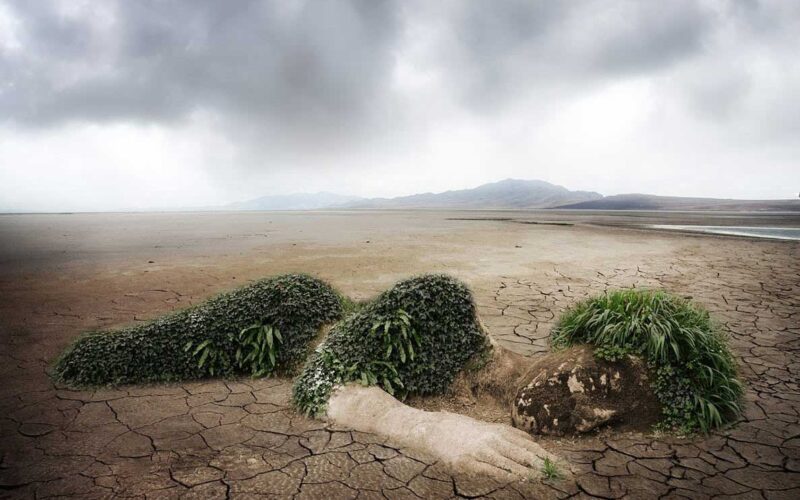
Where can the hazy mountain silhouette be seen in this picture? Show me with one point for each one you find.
(509, 193)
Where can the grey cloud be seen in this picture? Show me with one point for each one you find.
(314, 67)
(733, 63)
(717, 93)
(299, 75)
(650, 35)
(502, 50)
(252, 96)
(305, 66)
(749, 77)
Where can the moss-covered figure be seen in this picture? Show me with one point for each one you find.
(415, 339)
(695, 374)
(221, 336)
(412, 339)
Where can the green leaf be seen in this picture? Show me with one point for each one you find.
(268, 332)
(203, 358)
(202, 346)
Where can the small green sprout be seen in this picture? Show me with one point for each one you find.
(550, 470)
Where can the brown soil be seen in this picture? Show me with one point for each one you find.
(573, 392)
(485, 390)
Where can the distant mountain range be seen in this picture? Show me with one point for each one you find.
(511, 194)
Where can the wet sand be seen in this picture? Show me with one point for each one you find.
(63, 274)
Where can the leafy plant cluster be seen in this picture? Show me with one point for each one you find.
(412, 339)
(256, 353)
(256, 329)
(695, 374)
(258, 349)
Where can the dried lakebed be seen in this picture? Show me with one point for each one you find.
(241, 439)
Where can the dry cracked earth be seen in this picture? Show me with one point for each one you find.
(241, 438)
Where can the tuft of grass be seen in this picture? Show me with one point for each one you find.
(349, 306)
(550, 470)
(695, 374)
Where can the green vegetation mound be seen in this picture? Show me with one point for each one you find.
(695, 374)
(255, 329)
(412, 339)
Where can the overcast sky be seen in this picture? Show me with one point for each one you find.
(138, 104)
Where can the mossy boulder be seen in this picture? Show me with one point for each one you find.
(296, 305)
(694, 373)
(412, 339)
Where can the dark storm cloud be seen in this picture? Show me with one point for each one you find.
(303, 73)
(197, 102)
(303, 65)
(499, 50)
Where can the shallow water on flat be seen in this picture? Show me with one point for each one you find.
(780, 233)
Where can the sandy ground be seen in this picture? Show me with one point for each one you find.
(63, 274)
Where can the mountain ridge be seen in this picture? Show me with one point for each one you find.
(508, 193)
(511, 194)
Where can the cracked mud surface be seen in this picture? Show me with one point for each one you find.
(240, 438)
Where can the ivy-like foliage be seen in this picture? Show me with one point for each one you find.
(294, 305)
(412, 339)
(694, 373)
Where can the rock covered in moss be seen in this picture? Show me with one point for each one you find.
(297, 305)
(694, 372)
(572, 391)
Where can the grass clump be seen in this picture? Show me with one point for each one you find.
(695, 374)
(550, 470)
(256, 329)
(412, 339)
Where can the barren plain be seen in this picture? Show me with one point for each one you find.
(62, 274)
